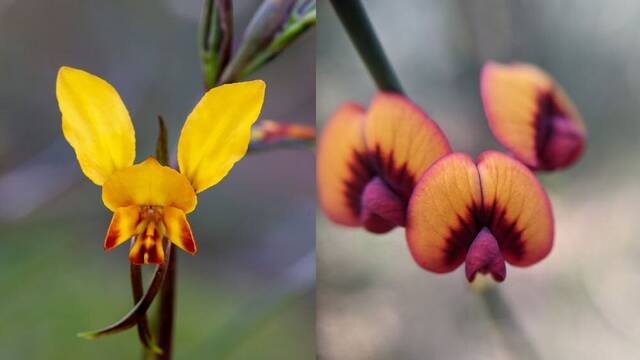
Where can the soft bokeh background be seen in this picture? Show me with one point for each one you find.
(581, 302)
(248, 294)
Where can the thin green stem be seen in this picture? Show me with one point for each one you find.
(513, 335)
(354, 19)
(214, 39)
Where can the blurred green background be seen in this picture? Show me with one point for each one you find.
(581, 302)
(248, 294)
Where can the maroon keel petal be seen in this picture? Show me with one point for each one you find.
(374, 223)
(564, 146)
(380, 203)
(484, 257)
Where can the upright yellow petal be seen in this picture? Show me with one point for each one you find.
(217, 132)
(95, 122)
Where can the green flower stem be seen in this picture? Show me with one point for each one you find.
(265, 23)
(514, 337)
(215, 35)
(280, 42)
(354, 19)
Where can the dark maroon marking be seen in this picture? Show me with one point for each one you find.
(564, 146)
(484, 256)
(154, 250)
(508, 237)
(547, 108)
(365, 166)
(361, 173)
(461, 237)
(558, 141)
(397, 176)
(141, 248)
(112, 235)
(190, 245)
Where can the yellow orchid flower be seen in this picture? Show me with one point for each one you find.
(150, 201)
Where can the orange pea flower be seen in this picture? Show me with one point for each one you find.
(530, 115)
(369, 161)
(481, 214)
(150, 201)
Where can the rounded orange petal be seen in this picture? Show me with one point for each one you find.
(402, 140)
(521, 102)
(148, 183)
(442, 214)
(342, 169)
(456, 199)
(516, 209)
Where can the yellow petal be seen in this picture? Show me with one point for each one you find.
(96, 123)
(178, 229)
(148, 183)
(217, 132)
(123, 226)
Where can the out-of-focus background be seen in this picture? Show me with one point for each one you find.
(581, 302)
(248, 294)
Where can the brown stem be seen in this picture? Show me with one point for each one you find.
(166, 310)
(143, 324)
